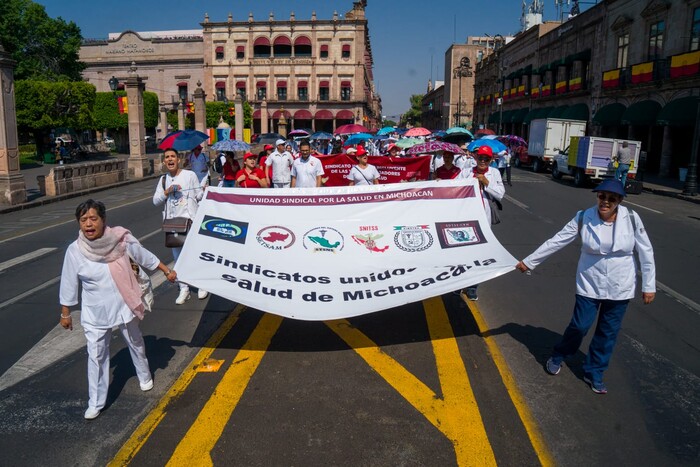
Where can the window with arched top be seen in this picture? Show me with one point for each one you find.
(261, 47)
(302, 47)
(282, 47)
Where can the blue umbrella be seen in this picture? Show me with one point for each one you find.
(458, 130)
(184, 140)
(386, 130)
(232, 145)
(321, 135)
(495, 145)
(440, 134)
(358, 138)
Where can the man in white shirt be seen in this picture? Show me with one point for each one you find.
(281, 163)
(307, 170)
(199, 164)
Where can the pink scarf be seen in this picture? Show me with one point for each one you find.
(110, 248)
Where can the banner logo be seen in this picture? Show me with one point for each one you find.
(369, 240)
(276, 237)
(413, 238)
(233, 231)
(455, 234)
(324, 239)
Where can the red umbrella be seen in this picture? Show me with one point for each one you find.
(485, 131)
(350, 129)
(183, 140)
(418, 131)
(435, 146)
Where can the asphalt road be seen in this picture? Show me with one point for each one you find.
(432, 383)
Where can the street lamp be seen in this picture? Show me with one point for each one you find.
(464, 69)
(691, 177)
(113, 84)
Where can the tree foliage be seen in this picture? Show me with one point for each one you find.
(42, 105)
(45, 48)
(217, 110)
(413, 115)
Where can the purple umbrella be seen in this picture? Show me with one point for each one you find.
(435, 146)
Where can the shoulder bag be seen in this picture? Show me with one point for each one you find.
(495, 206)
(175, 228)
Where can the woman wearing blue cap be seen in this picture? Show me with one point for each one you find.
(605, 277)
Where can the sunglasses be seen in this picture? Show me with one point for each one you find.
(608, 198)
(483, 159)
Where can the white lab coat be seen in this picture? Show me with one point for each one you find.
(495, 187)
(605, 276)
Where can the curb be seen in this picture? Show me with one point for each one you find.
(53, 199)
(673, 194)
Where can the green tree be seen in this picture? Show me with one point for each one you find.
(43, 105)
(106, 111)
(218, 109)
(45, 48)
(413, 115)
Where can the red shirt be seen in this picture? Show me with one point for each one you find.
(247, 182)
(230, 170)
(444, 174)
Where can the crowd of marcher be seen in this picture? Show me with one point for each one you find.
(100, 261)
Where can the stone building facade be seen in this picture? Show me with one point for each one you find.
(317, 73)
(630, 68)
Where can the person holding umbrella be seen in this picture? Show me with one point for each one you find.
(198, 163)
(230, 169)
(491, 187)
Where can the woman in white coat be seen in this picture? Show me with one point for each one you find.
(605, 277)
(179, 191)
(99, 262)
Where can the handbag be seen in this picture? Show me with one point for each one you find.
(495, 206)
(175, 228)
(144, 281)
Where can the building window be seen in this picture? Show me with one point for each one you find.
(623, 47)
(282, 91)
(240, 52)
(345, 51)
(345, 91)
(656, 40)
(324, 51)
(303, 92)
(219, 52)
(302, 47)
(695, 30)
(262, 92)
(282, 47)
(182, 89)
(220, 90)
(323, 91)
(261, 48)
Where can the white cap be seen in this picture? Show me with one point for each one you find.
(351, 151)
(279, 141)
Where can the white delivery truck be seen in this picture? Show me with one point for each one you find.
(591, 158)
(548, 137)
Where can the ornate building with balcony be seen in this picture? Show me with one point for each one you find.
(316, 73)
(618, 65)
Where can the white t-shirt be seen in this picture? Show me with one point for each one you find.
(306, 172)
(184, 202)
(281, 166)
(361, 176)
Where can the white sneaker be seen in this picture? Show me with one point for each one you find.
(146, 386)
(91, 413)
(202, 294)
(183, 297)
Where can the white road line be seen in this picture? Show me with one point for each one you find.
(681, 298)
(644, 207)
(517, 203)
(71, 220)
(55, 279)
(28, 257)
(55, 345)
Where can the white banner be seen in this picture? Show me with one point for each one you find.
(328, 253)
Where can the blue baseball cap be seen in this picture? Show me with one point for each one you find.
(611, 186)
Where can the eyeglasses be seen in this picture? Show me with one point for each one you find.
(483, 159)
(608, 198)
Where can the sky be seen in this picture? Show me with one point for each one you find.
(409, 38)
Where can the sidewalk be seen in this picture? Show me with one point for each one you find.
(663, 186)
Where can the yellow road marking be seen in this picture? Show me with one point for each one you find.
(210, 365)
(150, 423)
(521, 406)
(195, 448)
(457, 414)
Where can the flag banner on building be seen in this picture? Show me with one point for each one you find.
(611, 79)
(642, 72)
(513, 92)
(546, 89)
(123, 104)
(190, 107)
(534, 92)
(574, 84)
(560, 87)
(521, 90)
(685, 64)
(330, 253)
(391, 169)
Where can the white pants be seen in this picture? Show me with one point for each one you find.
(98, 359)
(281, 185)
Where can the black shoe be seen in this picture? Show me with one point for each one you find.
(471, 294)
